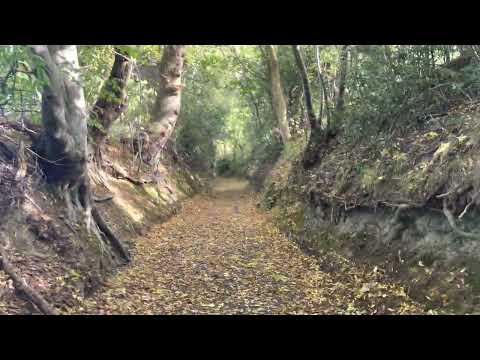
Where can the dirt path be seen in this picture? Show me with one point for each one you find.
(222, 255)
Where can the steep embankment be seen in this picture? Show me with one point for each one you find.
(407, 202)
(56, 256)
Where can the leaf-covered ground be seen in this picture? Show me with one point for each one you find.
(223, 255)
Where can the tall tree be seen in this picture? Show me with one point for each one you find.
(62, 147)
(278, 97)
(341, 79)
(315, 140)
(63, 144)
(323, 90)
(112, 101)
(314, 124)
(168, 102)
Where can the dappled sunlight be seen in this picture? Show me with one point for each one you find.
(133, 212)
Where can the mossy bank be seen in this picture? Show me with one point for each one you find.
(407, 203)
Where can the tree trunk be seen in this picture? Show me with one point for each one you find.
(278, 97)
(111, 103)
(62, 147)
(168, 102)
(323, 91)
(316, 138)
(314, 125)
(341, 79)
(63, 144)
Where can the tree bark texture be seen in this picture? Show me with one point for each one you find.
(316, 139)
(314, 125)
(341, 79)
(112, 101)
(278, 97)
(62, 146)
(168, 102)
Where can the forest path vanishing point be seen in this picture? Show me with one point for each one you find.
(221, 254)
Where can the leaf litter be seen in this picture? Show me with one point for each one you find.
(223, 255)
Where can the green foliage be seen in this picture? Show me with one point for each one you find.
(96, 63)
(226, 106)
(20, 87)
(226, 114)
(394, 86)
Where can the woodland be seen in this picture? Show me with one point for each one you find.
(239, 179)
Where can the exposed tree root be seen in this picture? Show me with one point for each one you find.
(102, 198)
(120, 173)
(474, 198)
(110, 236)
(395, 226)
(32, 295)
(79, 199)
(93, 220)
(453, 225)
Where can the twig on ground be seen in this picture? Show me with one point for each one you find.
(32, 295)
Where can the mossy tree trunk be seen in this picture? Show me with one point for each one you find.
(112, 102)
